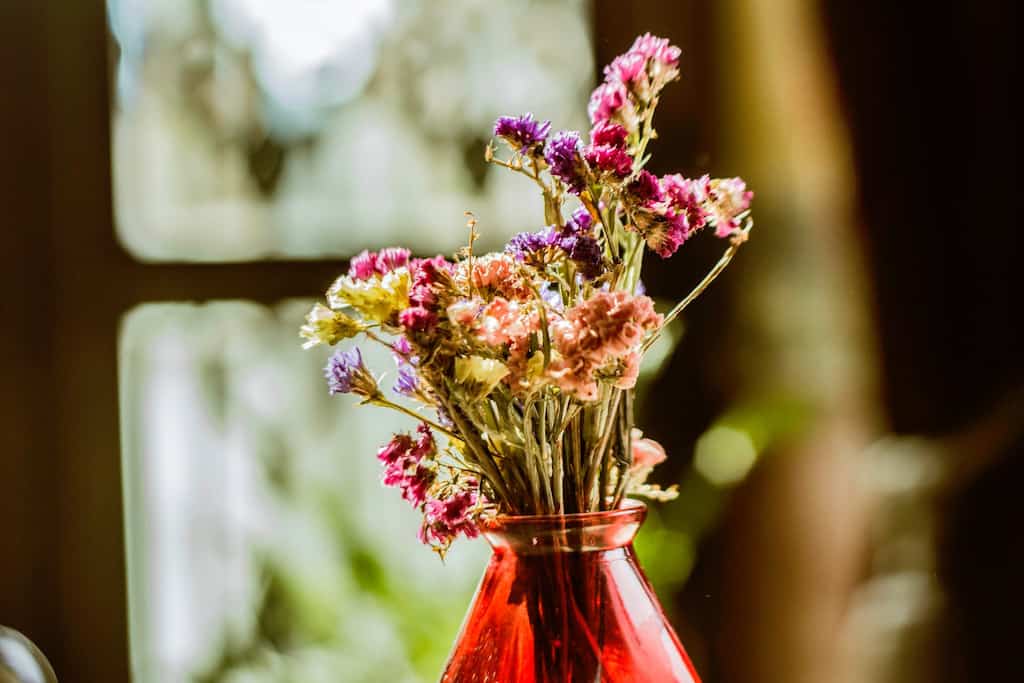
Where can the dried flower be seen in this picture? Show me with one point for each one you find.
(523, 133)
(728, 198)
(479, 375)
(608, 159)
(445, 519)
(324, 326)
(563, 156)
(407, 381)
(608, 102)
(646, 452)
(346, 373)
(378, 298)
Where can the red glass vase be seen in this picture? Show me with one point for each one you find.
(563, 600)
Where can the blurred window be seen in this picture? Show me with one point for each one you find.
(250, 129)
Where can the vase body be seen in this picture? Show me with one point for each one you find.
(563, 600)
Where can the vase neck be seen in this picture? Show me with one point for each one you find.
(576, 533)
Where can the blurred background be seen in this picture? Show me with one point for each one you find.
(844, 410)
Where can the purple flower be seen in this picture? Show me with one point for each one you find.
(444, 419)
(580, 223)
(586, 254)
(346, 373)
(524, 244)
(522, 133)
(407, 381)
(553, 298)
(563, 156)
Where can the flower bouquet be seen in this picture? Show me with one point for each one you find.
(519, 368)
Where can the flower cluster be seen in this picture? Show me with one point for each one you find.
(519, 366)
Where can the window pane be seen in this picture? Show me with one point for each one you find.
(261, 546)
(249, 129)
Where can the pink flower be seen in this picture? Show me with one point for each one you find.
(500, 274)
(606, 101)
(728, 198)
(445, 519)
(363, 265)
(645, 189)
(646, 452)
(599, 336)
(417, 319)
(503, 321)
(657, 49)
(395, 450)
(608, 133)
(630, 371)
(628, 68)
(464, 312)
(608, 159)
(366, 264)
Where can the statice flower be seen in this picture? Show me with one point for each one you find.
(606, 153)
(608, 159)
(407, 381)
(378, 298)
(500, 274)
(366, 264)
(479, 375)
(645, 189)
(580, 223)
(728, 198)
(598, 339)
(523, 133)
(610, 102)
(324, 326)
(563, 156)
(445, 519)
(669, 211)
(430, 277)
(347, 374)
(658, 50)
(404, 464)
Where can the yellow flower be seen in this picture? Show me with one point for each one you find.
(378, 298)
(479, 375)
(324, 326)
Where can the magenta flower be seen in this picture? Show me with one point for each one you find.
(445, 519)
(608, 133)
(366, 264)
(606, 101)
(363, 265)
(608, 159)
(629, 68)
(523, 133)
(645, 189)
(563, 156)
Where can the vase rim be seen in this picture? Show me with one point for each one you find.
(629, 508)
